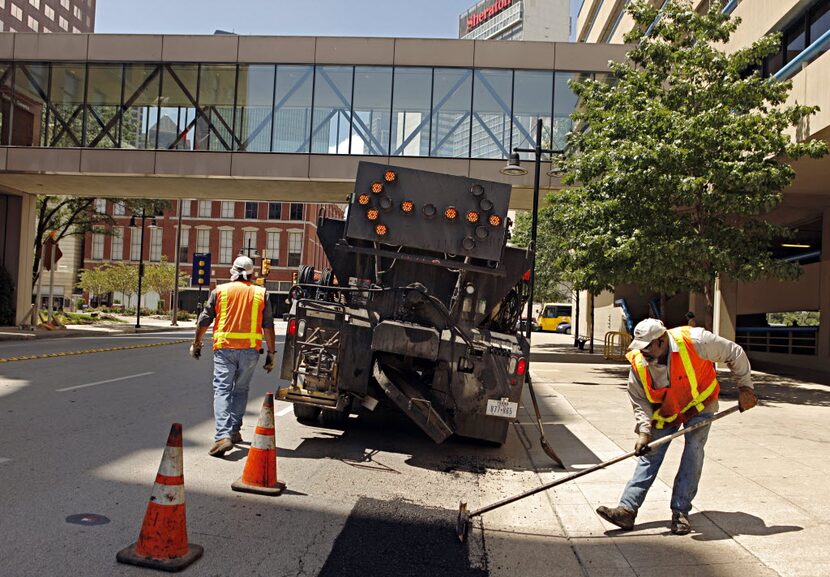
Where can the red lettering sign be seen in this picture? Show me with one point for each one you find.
(478, 18)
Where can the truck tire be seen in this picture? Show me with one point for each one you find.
(305, 413)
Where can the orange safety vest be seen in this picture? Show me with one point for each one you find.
(238, 323)
(687, 372)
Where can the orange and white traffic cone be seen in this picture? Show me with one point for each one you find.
(162, 542)
(260, 474)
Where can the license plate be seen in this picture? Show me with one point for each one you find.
(502, 408)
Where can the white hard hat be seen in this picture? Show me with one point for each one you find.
(242, 266)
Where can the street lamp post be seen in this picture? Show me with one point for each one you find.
(140, 263)
(514, 168)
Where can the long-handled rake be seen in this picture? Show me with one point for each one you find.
(464, 516)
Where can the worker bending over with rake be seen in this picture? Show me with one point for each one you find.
(673, 383)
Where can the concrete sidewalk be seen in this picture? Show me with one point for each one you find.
(149, 324)
(760, 509)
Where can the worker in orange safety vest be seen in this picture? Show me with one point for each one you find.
(673, 383)
(240, 314)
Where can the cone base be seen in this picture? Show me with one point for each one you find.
(130, 557)
(242, 487)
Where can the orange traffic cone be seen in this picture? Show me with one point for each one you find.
(260, 474)
(162, 542)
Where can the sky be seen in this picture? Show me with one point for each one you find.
(387, 18)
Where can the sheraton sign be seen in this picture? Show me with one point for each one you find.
(476, 18)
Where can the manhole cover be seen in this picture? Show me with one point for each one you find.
(87, 519)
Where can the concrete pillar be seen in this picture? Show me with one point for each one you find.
(824, 289)
(28, 214)
(726, 307)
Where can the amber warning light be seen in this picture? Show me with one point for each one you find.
(390, 176)
(363, 199)
(377, 187)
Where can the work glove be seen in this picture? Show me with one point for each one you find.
(746, 398)
(196, 350)
(641, 446)
(269, 362)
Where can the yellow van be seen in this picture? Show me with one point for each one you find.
(552, 314)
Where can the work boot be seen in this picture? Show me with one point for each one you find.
(680, 523)
(619, 516)
(236, 437)
(220, 447)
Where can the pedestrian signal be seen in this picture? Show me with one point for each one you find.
(266, 266)
(201, 269)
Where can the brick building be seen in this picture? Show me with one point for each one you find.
(285, 231)
(47, 16)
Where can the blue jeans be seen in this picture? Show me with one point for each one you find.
(688, 475)
(233, 370)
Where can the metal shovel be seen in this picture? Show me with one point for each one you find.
(464, 516)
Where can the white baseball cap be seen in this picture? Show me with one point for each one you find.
(242, 266)
(646, 331)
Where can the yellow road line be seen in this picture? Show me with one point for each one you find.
(89, 351)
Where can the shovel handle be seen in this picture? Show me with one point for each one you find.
(589, 470)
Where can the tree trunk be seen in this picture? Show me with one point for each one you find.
(709, 316)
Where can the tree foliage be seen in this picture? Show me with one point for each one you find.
(76, 216)
(550, 284)
(686, 150)
(161, 277)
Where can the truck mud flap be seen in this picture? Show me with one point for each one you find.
(397, 386)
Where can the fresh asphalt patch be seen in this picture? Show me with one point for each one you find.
(382, 538)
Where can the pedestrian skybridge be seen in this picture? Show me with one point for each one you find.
(277, 118)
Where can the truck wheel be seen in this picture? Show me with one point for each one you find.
(305, 413)
(334, 419)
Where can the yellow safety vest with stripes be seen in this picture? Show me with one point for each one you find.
(238, 323)
(693, 381)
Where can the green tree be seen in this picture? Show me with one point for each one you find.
(122, 277)
(75, 216)
(95, 281)
(160, 277)
(550, 282)
(687, 148)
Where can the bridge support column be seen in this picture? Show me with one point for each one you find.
(726, 306)
(26, 257)
(823, 344)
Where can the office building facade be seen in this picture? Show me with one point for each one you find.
(542, 20)
(73, 16)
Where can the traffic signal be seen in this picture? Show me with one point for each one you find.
(201, 269)
(294, 277)
(266, 266)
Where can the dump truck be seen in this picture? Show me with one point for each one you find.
(420, 308)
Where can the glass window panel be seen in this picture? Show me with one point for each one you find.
(451, 97)
(141, 98)
(176, 127)
(254, 108)
(564, 103)
(251, 210)
(292, 108)
(411, 104)
(249, 241)
(67, 97)
(135, 243)
(31, 117)
(819, 21)
(225, 246)
(184, 241)
(97, 246)
(227, 208)
(186, 207)
(332, 109)
(296, 211)
(795, 39)
(372, 107)
(274, 210)
(273, 247)
(155, 243)
(295, 248)
(492, 97)
(117, 243)
(532, 99)
(217, 88)
(205, 208)
(203, 240)
(103, 105)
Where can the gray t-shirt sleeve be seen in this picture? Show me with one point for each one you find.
(640, 403)
(267, 314)
(209, 311)
(714, 348)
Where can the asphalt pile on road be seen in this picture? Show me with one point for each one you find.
(382, 538)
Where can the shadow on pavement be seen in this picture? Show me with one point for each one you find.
(733, 523)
